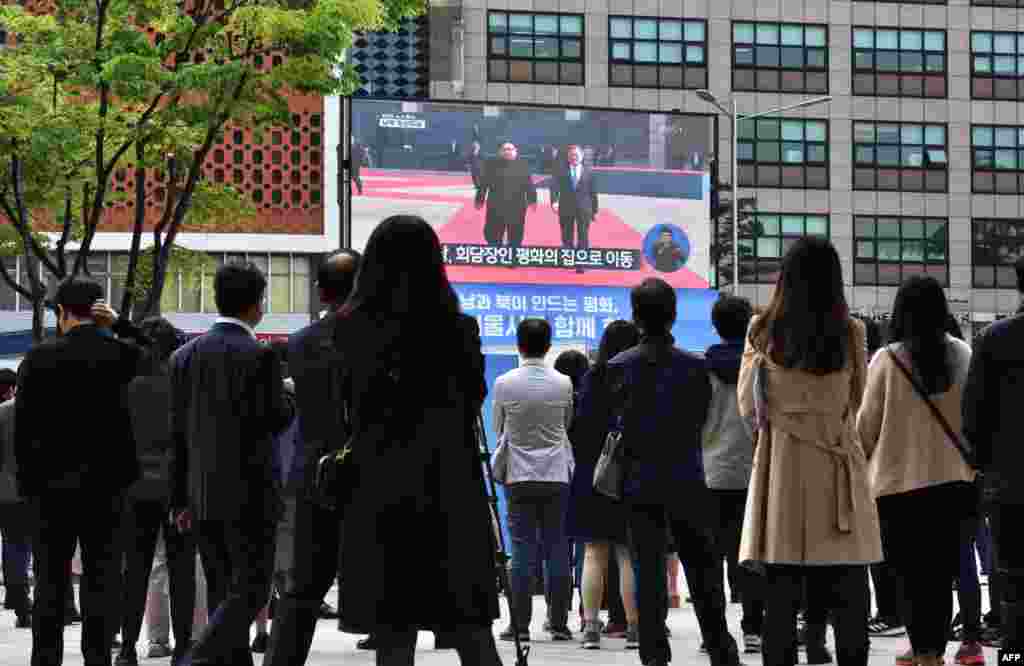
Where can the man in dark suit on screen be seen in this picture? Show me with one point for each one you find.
(507, 188)
(574, 196)
(228, 401)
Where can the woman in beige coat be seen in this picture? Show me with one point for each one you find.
(921, 481)
(809, 513)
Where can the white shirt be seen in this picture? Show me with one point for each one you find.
(533, 411)
(237, 322)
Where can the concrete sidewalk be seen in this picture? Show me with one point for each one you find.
(332, 648)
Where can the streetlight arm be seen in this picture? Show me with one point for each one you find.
(798, 105)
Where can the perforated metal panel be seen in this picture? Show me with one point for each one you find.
(394, 64)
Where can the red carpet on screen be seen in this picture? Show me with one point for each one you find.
(607, 231)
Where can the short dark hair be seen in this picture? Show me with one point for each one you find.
(8, 379)
(334, 277)
(731, 316)
(533, 337)
(164, 336)
(654, 305)
(573, 364)
(237, 287)
(1019, 267)
(77, 295)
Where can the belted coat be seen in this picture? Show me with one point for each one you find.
(809, 501)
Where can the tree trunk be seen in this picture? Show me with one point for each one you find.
(140, 219)
(38, 320)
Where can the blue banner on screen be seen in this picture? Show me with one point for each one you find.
(577, 314)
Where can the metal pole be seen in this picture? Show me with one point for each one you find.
(735, 203)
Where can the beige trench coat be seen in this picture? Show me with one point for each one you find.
(809, 502)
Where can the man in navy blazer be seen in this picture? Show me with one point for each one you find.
(574, 196)
(228, 402)
(321, 429)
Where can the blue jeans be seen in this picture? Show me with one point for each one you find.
(536, 522)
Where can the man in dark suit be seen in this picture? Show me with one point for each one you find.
(228, 401)
(74, 472)
(575, 198)
(508, 190)
(475, 163)
(321, 428)
(992, 422)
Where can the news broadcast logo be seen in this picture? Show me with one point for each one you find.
(1010, 657)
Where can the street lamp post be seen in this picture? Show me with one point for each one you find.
(708, 97)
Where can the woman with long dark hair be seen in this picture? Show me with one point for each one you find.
(594, 519)
(809, 513)
(413, 383)
(921, 481)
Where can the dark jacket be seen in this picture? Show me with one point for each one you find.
(993, 419)
(508, 189)
(421, 484)
(149, 401)
(578, 202)
(66, 386)
(667, 392)
(591, 515)
(321, 425)
(8, 463)
(228, 403)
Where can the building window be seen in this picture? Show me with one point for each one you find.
(780, 57)
(535, 48)
(657, 53)
(766, 238)
(887, 250)
(998, 159)
(288, 284)
(995, 246)
(997, 65)
(906, 157)
(783, 153)
(899, 63)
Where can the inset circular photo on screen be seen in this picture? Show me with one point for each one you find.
(666, 248)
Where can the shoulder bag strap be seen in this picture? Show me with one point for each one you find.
(931, 405)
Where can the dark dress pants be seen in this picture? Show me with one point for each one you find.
(575, 231)
(16, 529)
(238, 559)
(94, 521)
(505, 228)
(968, 589)
(889, 592)
(730, 506)
(317, 545)
(474, 645)
(145, 520)
(1008, 547)
(843, 590)
(691, 525)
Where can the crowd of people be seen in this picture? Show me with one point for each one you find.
(789, 459)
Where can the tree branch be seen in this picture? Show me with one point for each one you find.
(11, 282)
(65, 234)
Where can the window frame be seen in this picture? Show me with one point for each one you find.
(683, 66)
(992, 76)
(901, 263)
(858, 71)
(901, 170)
(780, 69)
(1018, 170)
(533, 35)
(748, 234)
(995, 239)
(755, 142)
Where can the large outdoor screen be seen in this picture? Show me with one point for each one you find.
(540, 196)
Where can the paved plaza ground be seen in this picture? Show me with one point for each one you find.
(333, 648)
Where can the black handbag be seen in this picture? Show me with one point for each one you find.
(335, 478)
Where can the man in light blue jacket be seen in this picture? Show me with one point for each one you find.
(532, 414)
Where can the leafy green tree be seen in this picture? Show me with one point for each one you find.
(151, 85)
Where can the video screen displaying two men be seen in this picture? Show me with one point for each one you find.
(540, 196)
